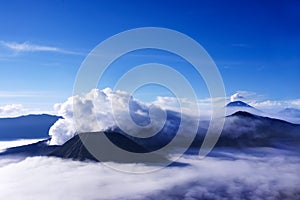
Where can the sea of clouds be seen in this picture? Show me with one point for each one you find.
(230, 174)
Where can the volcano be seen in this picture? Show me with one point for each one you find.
(238, 104)
(76, 149)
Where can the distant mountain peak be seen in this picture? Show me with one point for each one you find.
(243, 114)
(238, 104)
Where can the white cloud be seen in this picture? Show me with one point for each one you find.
(29, 47)
(234, 175)
(295, 102)
(172, 103)
(16, 110)
(10, 110)
(268, 104)
(274, 106)
(189, 108)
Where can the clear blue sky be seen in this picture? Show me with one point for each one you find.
(255, 44)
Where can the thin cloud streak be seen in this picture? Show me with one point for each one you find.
(29, 47)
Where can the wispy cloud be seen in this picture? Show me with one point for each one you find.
(29, 47)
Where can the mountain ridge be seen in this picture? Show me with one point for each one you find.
(27, 126)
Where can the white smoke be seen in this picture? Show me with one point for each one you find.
(100, 110)
(236, 97)
(246, 96)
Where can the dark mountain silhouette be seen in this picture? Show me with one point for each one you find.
(75, 149)
(246, 129)
(243, 130)
(26, 127)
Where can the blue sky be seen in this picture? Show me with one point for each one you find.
(255, 44)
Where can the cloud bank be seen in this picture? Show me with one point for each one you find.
(234, 175)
